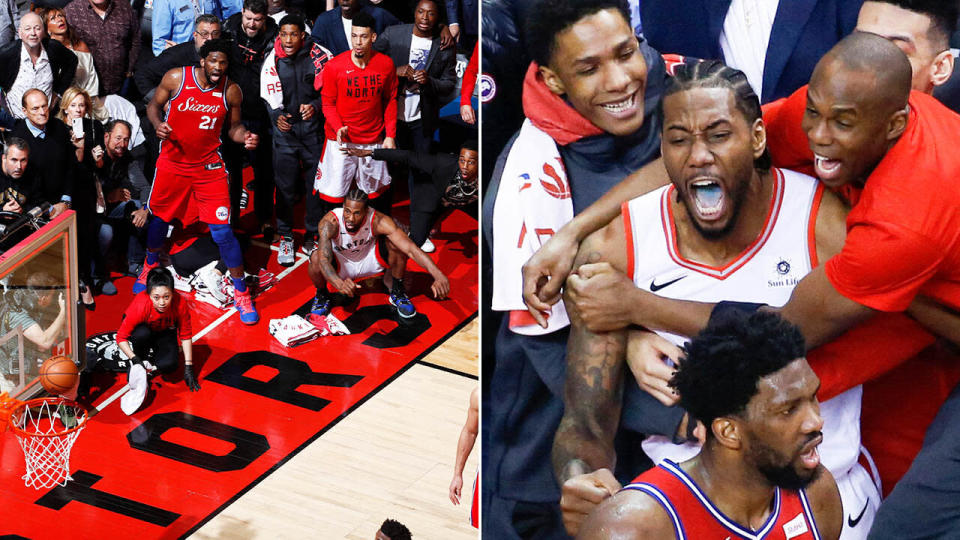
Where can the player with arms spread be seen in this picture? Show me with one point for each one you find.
(348, 237)
(197, 100)
(758, 476)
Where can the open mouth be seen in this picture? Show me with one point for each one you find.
(708, 197)
(811, 457)
(825, 167)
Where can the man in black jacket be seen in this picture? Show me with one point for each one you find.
(150, 73)
(254, 33)
(450, 182)
(16, 184)
(297, 130)
(53, 65)
(53, 154)
(426, 76)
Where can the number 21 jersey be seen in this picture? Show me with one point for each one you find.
(196, 116)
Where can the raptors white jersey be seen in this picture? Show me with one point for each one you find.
(765, 272)
(356, 252)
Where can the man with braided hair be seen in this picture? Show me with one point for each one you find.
(728, 226)
(759, 475)
(353, 239)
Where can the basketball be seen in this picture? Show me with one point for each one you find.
(58, 374)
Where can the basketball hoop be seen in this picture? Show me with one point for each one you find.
(46, 434)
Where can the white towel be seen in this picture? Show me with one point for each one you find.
(533, 202)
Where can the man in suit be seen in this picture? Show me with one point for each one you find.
(426, 77)
(794, 35)
(332, 29)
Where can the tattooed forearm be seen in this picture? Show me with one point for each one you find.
(592, 401)
(327, 230)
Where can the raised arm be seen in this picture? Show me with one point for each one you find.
(384, 225)
(583, 451)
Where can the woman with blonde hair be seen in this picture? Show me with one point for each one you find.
(88, 198)
(55, 21)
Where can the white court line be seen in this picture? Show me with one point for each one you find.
(301, 258)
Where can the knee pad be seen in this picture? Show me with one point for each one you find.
(229, 247)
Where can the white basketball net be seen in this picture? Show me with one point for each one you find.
(46, 434)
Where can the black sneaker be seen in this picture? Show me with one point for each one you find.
(321, 305)
(399, 299)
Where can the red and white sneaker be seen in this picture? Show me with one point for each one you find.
(243, 302)
(141, 284)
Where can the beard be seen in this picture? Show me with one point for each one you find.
(778, 469)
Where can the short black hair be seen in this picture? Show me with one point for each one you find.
(469, 144)
(159, 277)
(365, 20)
(725, 362)
(395, 530)
(293, 18)
(215, 45)
(550, 17)
(255, 6)
(16, 142)
(357, 194)
(112, 124)
(942, 13)
(716, 74)
(207, 18)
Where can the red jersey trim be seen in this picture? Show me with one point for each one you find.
(521, 318)
(723, 272)
(812, 226)
(628, 229)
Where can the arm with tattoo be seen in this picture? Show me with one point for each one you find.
(329, 226)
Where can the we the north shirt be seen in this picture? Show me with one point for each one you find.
(362, 98)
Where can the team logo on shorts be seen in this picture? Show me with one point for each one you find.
(223, 213)
(488, 88)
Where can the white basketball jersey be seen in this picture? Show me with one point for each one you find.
(766, 272)
(356, 253)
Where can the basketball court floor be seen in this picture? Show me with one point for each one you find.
(324, 440)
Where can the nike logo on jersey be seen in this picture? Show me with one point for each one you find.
(852, 522)
(654, 287)
(349, 70)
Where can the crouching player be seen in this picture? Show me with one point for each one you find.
(352, 240)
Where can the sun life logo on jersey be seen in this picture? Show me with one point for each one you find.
(780, 277)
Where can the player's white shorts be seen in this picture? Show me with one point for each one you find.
(337, 171)
(370, 265)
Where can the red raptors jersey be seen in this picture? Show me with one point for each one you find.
(695, 517)
(196, 117)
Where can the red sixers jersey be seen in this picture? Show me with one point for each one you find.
(196, 117)
(695, 517)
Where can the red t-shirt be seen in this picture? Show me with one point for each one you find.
(363, 98)
(903, 234)
(141, 310)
